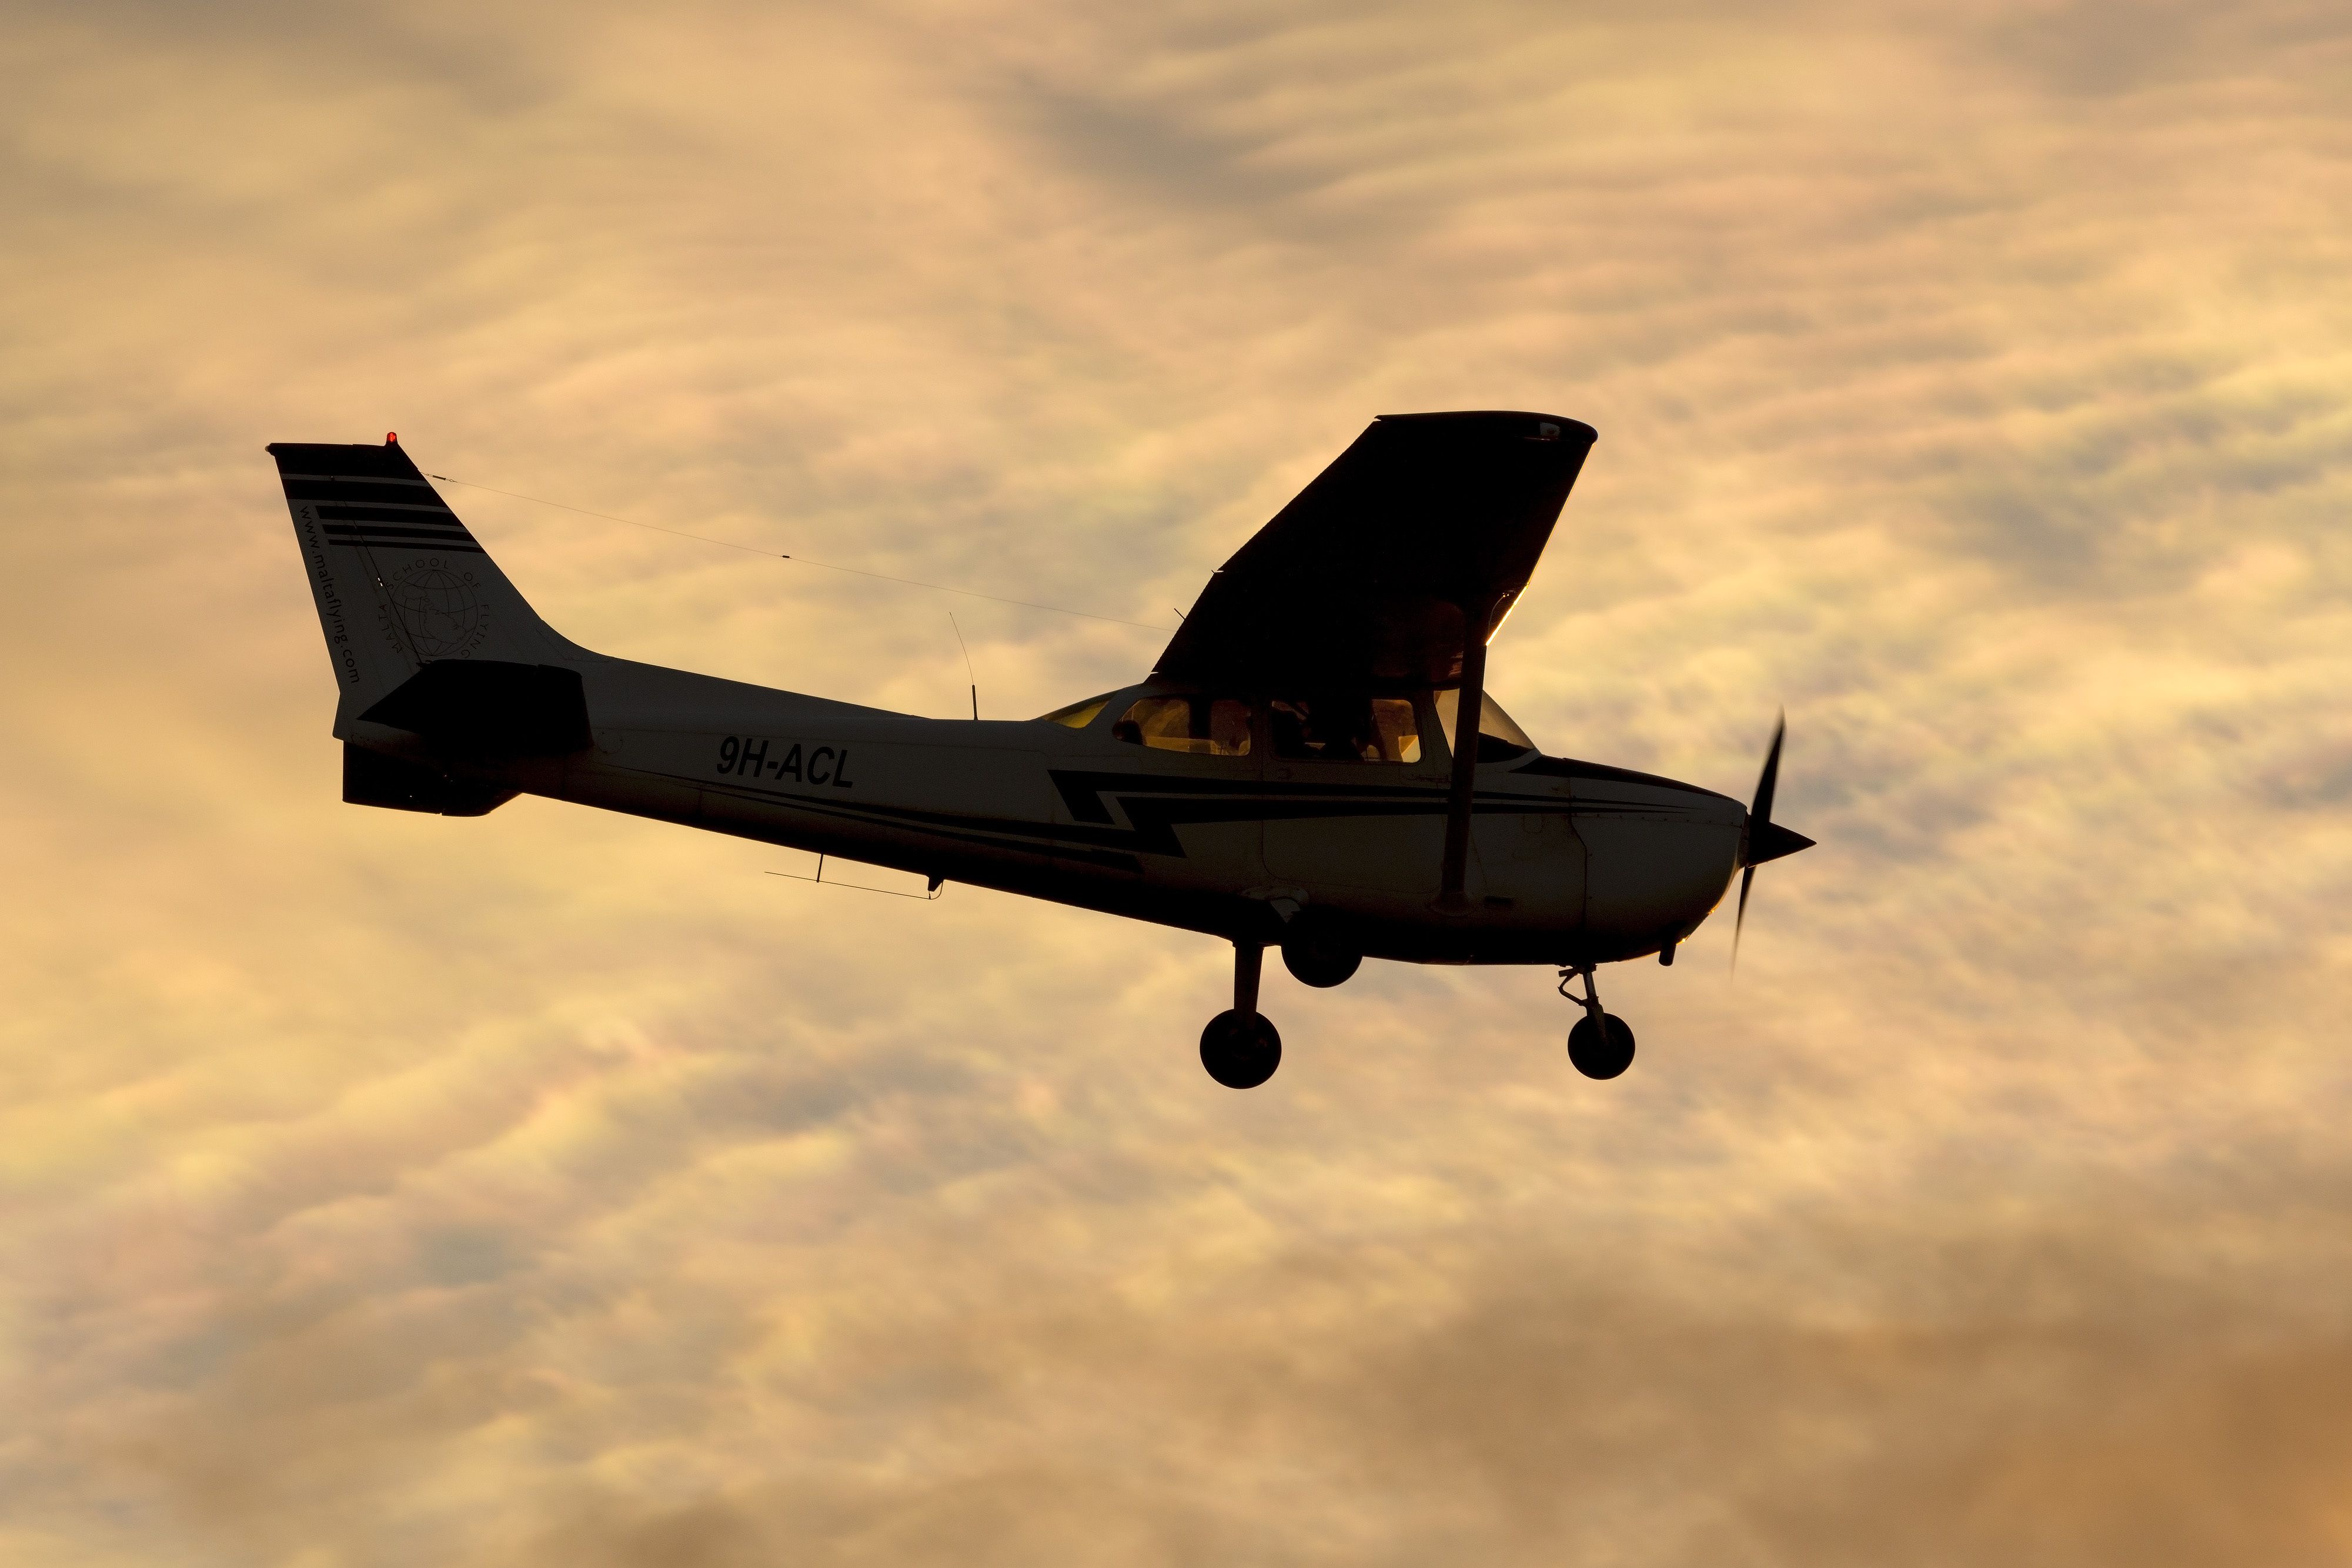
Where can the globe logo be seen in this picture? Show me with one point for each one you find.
(438, 608)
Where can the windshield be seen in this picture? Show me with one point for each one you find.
(1499, 734)
(1077, 716)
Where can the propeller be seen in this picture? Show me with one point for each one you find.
(1764, 839)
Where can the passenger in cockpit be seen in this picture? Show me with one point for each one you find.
(1288, 723)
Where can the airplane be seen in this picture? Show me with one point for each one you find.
(1313, 764)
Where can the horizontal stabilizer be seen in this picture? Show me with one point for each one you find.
(371, 778)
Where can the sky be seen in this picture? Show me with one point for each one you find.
(555, 1187)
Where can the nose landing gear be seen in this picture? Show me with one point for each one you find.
(1241, 1048)
(1601, 1044)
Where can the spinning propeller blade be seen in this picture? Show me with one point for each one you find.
(1766, 840)
(1768, 780)
(1740, 923)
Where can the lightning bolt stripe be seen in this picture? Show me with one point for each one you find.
(1155, 808)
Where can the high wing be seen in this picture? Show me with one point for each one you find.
(1367, 579)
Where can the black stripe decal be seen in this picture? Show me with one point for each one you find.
(990, 832)
(1155, 820)
(387, 514)
(398, 491)
(1088, 795)
(379, 530)
(423, 547)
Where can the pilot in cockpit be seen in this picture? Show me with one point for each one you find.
(1330, 729)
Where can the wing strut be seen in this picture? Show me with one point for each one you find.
(1476, 618)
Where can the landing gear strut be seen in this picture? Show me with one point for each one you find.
(1240, 1047)
(1601, 1044)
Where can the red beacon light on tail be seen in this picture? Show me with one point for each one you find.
(392, 438)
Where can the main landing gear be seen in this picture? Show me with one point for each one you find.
(1241, 1048)
(1601, 1044)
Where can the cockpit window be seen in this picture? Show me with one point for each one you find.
(1499, 736)
(1205, 727)
(1077, 716)
(1346, 729)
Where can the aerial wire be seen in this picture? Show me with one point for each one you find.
(967, 667)
(804, 560)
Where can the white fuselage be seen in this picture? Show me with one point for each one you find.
(1570, 862)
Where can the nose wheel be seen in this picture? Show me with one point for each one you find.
(1241, 1048)
(1601, 1043)
(1241, 1051)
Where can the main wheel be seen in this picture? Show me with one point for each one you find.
(1600, 1047)
(1241, 1053)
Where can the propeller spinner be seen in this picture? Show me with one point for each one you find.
(1764, 839)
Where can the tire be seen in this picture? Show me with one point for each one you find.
(1241, 1053)
(1311, 962)
(1601, 1047)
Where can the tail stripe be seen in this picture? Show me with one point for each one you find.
(424, 531)
(431, 543)
(326, 487)
(441, 515)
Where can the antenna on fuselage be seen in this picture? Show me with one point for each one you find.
(967, 667)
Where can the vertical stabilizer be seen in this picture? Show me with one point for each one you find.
(399, 581)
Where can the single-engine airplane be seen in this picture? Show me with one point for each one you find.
(1312, 765)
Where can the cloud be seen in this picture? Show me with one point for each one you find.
(556, 1188)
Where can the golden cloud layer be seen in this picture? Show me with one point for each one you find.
(555, 1188)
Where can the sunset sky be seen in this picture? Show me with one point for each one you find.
(556, 1188)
